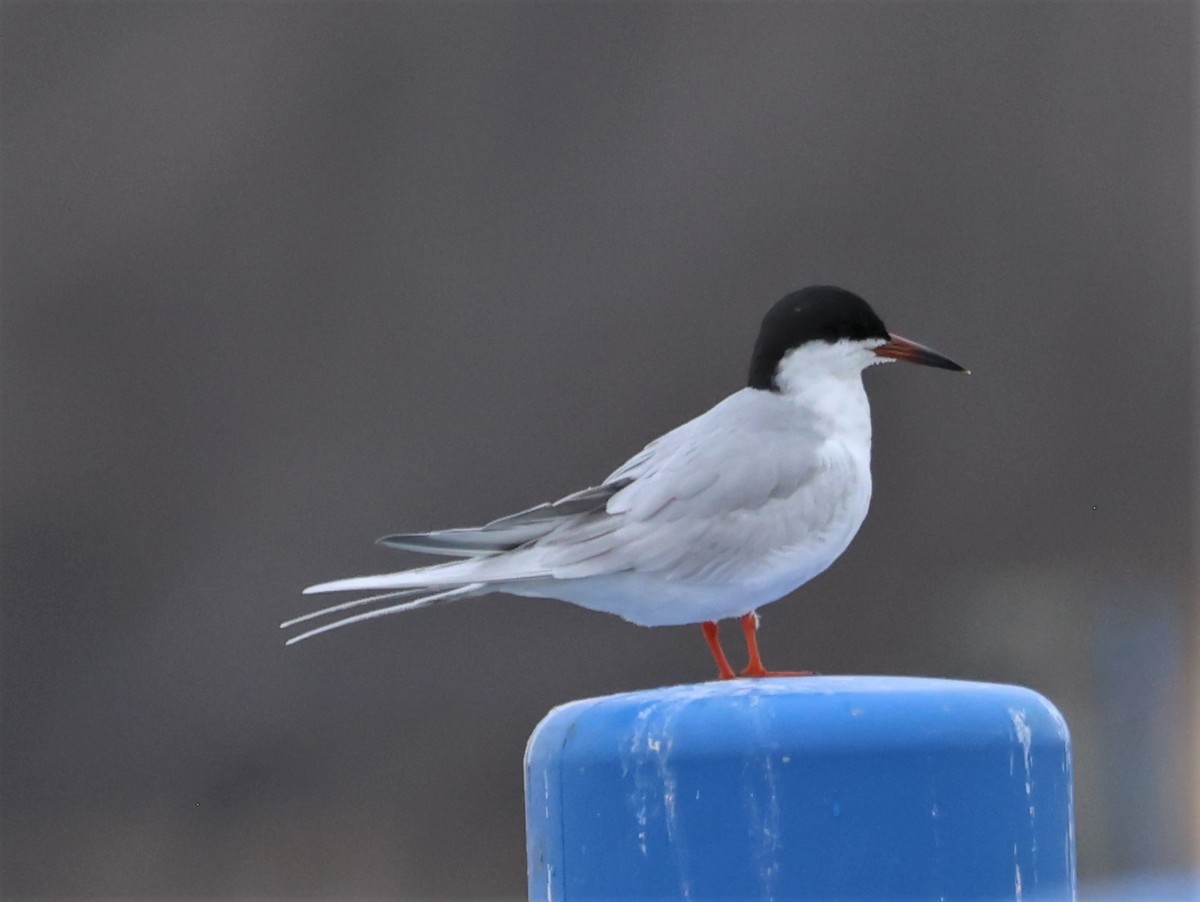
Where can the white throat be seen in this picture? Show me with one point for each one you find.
(826, 379)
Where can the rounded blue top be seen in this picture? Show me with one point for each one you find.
(880, 788)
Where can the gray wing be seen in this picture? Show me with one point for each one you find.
(713, 498)
(507, 533)
(748, 449)
(741, 482)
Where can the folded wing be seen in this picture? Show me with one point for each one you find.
(506, 533)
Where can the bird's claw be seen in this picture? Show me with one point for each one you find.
(757, 672)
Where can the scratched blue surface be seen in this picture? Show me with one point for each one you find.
(817, 788)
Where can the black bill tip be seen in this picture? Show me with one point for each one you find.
(899, 348)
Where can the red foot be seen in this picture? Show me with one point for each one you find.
(760, 672)
(724, 671)
(755, 667)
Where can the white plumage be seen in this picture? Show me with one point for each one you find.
(724, 514)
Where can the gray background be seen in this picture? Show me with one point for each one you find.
(281, 278)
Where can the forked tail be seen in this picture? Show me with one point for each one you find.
(423, 602)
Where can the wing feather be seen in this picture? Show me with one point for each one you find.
(506, 533)
(739, 455)
(705, 501)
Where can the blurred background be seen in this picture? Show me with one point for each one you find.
(278, 279)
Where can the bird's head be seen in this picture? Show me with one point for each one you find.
(823, 331)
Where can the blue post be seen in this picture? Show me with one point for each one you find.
(875, 789)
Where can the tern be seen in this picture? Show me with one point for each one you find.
(718, 517)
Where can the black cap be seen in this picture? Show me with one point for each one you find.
(816, 313)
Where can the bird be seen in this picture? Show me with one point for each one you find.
(722, 515)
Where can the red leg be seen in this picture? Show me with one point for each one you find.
(755, 667)
(724, 671)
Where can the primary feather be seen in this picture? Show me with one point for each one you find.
(506, 533)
